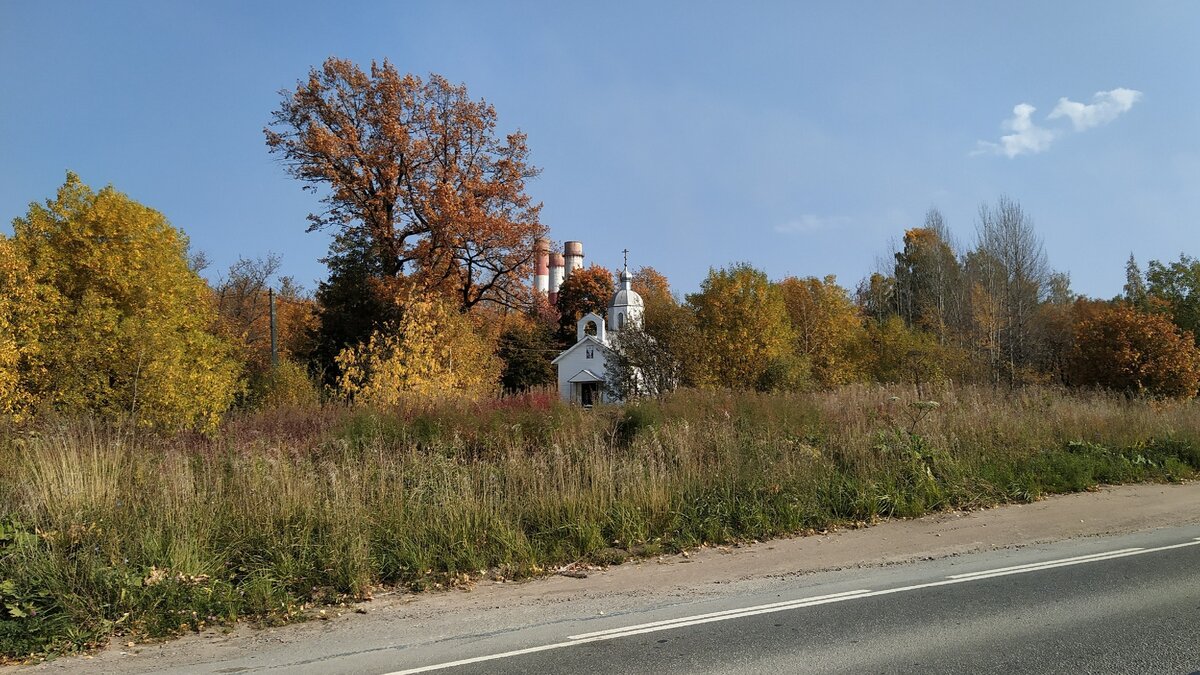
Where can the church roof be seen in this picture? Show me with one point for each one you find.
(626, 298)
(586, 375)
(588, 339)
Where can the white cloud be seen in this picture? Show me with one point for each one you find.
(1106, 106)
(810, 223)
(1027, 137)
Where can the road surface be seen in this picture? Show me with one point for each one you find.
(1118, 605)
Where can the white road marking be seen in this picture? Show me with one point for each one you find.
(726, 615)
(1031, 566)
(787, 604)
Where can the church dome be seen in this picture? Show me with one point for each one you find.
(626, 298)
(626, 305)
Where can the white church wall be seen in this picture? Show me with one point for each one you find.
(588, 356)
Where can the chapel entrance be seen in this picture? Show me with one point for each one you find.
(589, 393)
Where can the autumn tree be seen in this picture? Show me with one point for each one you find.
(654, 288)
(638, 365)
(243, 298)
(417, 171)
(898, 353)
(121, 319)
(929, 288)
(23, 311)
(587, 289)
(744, 321)
(659, 354)
(243, 301)
(1008, 277)
(876, 295)
(434, 350)
(827, 326)
(1120, 347)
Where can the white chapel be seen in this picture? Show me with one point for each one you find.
(581, 368)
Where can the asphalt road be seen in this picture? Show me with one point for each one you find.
(1116, 605)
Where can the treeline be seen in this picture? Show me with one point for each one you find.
(104, 311)
(995, 313)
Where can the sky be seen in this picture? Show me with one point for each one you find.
(803, 138)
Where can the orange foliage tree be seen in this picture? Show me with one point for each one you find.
(1120, 347)
(244, 314)
(653, 286)
(586, 290)
(418, 169)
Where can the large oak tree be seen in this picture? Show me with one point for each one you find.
(417, 167)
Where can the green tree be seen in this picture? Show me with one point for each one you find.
(744, 321)
(123, 319)
(351, 302)
(527, 348)
(930, 293)
(1134, 291)
(1178, 285)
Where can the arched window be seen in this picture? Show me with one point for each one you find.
(590, 328)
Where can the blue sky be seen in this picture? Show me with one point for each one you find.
(800, 137)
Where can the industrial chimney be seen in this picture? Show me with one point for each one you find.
(556, 276)
(573, 252)
(541, 276)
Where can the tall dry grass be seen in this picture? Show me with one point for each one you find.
(103, 531)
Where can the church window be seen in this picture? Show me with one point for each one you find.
(589, 353)
(620, 320)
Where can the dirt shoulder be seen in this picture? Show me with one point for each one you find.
(401, 619)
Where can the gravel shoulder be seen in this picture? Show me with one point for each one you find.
(403, 620)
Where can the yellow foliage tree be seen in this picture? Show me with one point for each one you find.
(828, 327)
(433, 351)
(901, 354)
(122, 321)
(743, 319)
(20, 315)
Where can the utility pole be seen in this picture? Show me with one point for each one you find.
(274, 342)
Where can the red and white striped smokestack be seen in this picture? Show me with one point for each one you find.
(556, 276)
(573, 252)
(541, 275)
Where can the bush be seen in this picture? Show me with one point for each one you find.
(287, 384)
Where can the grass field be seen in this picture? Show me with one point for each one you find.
(105, 531)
